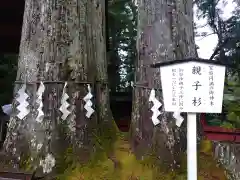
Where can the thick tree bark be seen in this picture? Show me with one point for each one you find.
(61, 41)
(106, 124)
(165, 32)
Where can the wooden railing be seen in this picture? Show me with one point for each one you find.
(216, 133)
(15, 176)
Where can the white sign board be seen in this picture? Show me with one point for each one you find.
(193, 87)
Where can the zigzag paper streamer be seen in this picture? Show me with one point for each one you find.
(179, 118)
(155, 109)
(88, 105)
(64, 104)
(40, 92)
(23, 104)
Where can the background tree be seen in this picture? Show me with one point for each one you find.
(226, 51)
(122, 40)
(8, 68)
(225, 28)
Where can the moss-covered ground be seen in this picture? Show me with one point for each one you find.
(129, 168)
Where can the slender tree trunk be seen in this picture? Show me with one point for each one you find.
(61, 41)
(165, 32)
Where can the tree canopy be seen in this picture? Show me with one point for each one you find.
(227, 51)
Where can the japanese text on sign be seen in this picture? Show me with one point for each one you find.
(193, 87)
(211, 86)
(181, 88)
(196, 70)
(174, 84)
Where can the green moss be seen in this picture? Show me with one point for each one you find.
(100, 167)
(26, 163)
(107, 136)
(102, 142)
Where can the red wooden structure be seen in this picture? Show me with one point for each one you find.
(216, 133)
(15, 176)
(121, 106)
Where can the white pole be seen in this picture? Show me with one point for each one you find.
(192, 146)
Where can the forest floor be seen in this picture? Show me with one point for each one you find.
(129, 168)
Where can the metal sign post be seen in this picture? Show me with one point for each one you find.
(192, 86)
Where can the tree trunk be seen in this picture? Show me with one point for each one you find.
(165, 32)
(61, 41)
(106, 124)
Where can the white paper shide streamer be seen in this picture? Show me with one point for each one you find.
(64, 104)
(23, 104)
(40, 92)
(155, 109)
(179, 118)
(88, 105)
